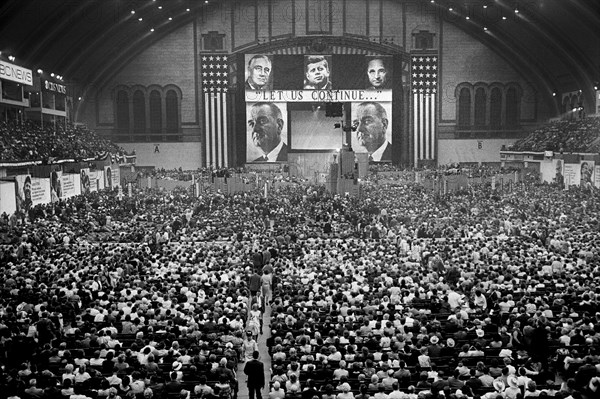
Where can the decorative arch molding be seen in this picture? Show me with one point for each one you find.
(493, 105)
(323, 45)
(166, 124)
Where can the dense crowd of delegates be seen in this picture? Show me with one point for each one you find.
(393, 294)
(29, 142)
(564, 136)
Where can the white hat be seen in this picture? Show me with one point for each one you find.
(434, 339)
(498, 385)
(177, 366)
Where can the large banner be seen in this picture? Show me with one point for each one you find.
(373, 130)
(70, 185)
(571, 174)
(586, 173)
(96, 180)
(23, 192)
(40, 191)
(288, 97)
(266, 138)
(56, 192)
(597, 176)
(84, 180)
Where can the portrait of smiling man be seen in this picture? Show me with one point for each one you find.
(316, 73)
(265, 127)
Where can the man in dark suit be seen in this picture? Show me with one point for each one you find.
(265, 125)
(259, 72)
(255, 371)
(372, 123)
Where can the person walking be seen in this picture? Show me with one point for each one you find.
(255, 371)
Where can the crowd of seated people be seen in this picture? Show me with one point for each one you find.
(562, 136)
(28, 141)
(395, 293)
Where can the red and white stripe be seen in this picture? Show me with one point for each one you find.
(424, 78)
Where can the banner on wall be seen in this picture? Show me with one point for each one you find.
(266, 138)
(40, 191)
(96, 180)
(586, 173)
(23, 192)
(289, 104)
(597, 176)
(108, 180)
(56, 192)
(571, 173)
(373, 130)
(70, 185)
(8, 204)
(317, 96)
(84, 179)
(116, 176)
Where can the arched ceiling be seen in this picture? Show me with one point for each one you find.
(558, 41)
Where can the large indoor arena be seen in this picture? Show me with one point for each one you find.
(299, 199)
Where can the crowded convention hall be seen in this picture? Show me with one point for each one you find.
(286, 199)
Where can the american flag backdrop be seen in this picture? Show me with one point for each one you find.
(215, 81)
(424, 78)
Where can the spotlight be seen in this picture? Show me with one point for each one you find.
(485, 28)
(11, 58)
(133, 11)
(79, 98)
(187, 9)
(160, 7)
(516, 10)
(152, 30)
(52, 74)
(467, 18)
(504, 18)
(553, 94)
(140, 19)
(40, 71)
(451, 9)
(170, 18)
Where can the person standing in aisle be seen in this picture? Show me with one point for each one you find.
(255, 371)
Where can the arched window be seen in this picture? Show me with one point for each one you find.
(480, 103)
(464, 108)
(496, 108)
(139, 112)
(512, 108)
(172, 104)
(122, 111)
(155, 112)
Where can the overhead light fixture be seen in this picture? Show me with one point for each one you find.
(450, 9)
(11, 58)
(553, 94)
(516, 10)
(160, 7)
(485, 6)
(170, 18)
(467, 18)
(485, 28)
(79, 98)
(133, 11)
(140, 19)
(187, 9)
(40, 71)
(504, 18)
(151, 29)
